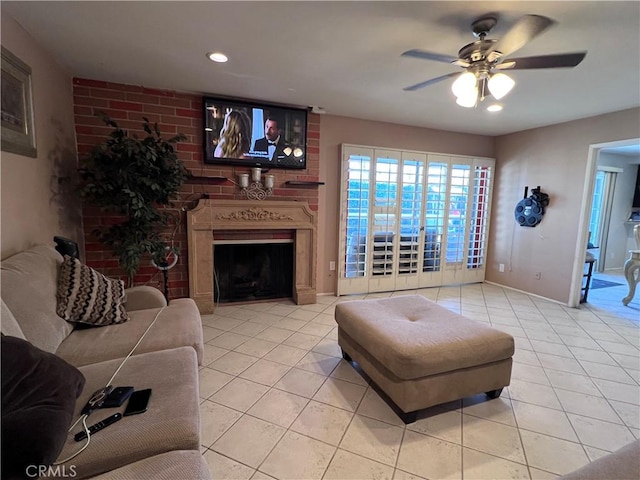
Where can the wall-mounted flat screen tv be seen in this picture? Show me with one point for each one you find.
(240, 132)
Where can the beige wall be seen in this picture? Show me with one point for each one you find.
(335, 131)
(36, 194)
(555, 158)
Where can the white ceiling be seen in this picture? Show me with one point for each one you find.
(345, 56)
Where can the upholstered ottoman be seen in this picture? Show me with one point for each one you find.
(421, 354)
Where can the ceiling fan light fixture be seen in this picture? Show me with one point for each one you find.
(469, 99)
(217, 57)
(494, 108)
(500, 84)
(465, 85)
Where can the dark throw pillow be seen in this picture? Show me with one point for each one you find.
(86, 296)
(39, 392)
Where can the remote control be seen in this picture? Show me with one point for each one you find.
(98, 426)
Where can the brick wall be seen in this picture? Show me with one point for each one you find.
(175, 113)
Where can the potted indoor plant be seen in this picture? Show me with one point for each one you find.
(133, 178)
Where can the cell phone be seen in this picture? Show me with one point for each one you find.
(137, 402)
(117, 397)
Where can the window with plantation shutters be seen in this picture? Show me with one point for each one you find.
(411, 219)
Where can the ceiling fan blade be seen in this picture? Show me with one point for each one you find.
(418, 86)
(544, 61)
(424, 55)
(525, 30)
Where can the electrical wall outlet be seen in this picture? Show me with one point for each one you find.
(332, 266)
(538, 275)
(501, 268)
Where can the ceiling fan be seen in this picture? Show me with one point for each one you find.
(482, 57)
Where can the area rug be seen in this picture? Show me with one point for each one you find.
(596, 283)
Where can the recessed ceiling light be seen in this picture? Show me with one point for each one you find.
(217, 57)
(494, 108)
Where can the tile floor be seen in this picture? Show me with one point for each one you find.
(278, 401)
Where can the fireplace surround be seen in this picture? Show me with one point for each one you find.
(222, 217)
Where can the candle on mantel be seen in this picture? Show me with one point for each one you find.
(268, 181)
(243, 180)
(255, 174)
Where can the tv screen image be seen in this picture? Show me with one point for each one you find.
(254, 134)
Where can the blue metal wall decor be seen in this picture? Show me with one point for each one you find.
(529, 210)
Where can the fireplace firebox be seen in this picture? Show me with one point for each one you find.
(256, 271)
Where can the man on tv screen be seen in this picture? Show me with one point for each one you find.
(271, 146)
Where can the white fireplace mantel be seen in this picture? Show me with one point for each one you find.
(211, 215)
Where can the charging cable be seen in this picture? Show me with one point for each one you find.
(98, 397)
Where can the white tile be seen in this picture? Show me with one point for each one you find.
(223, 323)
(322, 422)
(372, 405)
(345, 465)
(279, 407)
(443, 461)
(440, 423)
(229, 340)
(561, 363)
(340, 394)
(274, 334)
(607, 372)
(215, 419)
(550, 348)
(300, 382)
(233, 363)
(265, 372)
(211, 381)
(305, 315)
(249, 441)
(535, 393)
(598, 356)
(286, 355)
(212, 353)
(309, 462)
(346, 371)
(600, 434)
(209, 333)
(629, 413)
(302, 340)
(493, 438)
(318, 363)
(239, 394)
(529, 373)
(587, 405)
(292, 324)
(497, 410)
(375, 440)
(478, 465)
(402, 475)
(249, 329)
(619, 391)
(317, 329)
(552, 454)
(226, 468)
(543, 420)
(256, 347)
(571, 381)
(329, 347)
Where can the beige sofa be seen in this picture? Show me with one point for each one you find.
(165, 440)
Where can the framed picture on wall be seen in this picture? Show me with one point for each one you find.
(18, 135)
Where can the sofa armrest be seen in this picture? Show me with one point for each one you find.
(144, 297)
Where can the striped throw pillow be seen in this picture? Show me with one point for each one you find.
(86, 296)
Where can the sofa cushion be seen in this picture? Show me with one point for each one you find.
(29, 283)
(39, 392)
(87, 296)
(168, 466)
(9, 323)
(171, 421)
(178, 325)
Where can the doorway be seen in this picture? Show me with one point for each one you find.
(594, 220)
